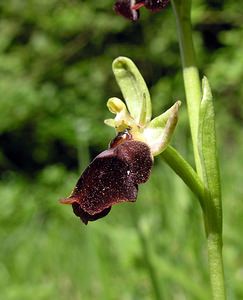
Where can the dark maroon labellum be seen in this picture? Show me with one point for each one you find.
(112, 177)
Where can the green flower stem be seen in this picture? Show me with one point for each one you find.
(182, 168)
(192, 83)
(216, 265)
(204, 150)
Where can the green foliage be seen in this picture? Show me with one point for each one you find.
(55, 79)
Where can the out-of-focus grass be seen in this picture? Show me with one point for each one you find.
(47, 253)
(55, 78)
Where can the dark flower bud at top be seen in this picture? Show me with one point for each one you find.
(154, 5)
(112, 177)
(124, 8)
(130, 8)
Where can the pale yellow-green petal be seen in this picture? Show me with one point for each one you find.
(134, 89)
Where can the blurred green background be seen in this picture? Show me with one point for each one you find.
(55, 79)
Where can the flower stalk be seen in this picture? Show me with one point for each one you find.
(182, 10)
(202, 124)
(185, 171)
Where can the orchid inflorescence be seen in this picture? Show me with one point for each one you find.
(114, 175)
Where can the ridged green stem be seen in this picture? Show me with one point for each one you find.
(204, 160)
(190, 71)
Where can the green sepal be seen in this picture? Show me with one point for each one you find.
(160, 130)
(162, 119)
(134, 89)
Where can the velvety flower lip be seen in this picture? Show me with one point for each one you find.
(86, 217)
(112, 177)
(130, 8)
